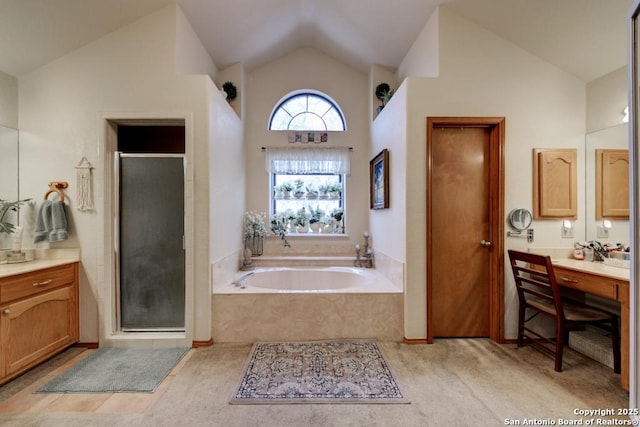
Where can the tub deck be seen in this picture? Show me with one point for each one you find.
(372, 310)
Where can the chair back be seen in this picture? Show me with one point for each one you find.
(535, 277)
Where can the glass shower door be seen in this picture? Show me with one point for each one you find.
(151, 242)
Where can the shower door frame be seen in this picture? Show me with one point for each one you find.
(117, 240)
(108, 332)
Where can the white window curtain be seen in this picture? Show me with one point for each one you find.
(307, 160)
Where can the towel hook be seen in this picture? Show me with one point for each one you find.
(55, 187)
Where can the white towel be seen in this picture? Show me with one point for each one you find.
(51, 222)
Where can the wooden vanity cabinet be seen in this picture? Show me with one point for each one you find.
(38, 317)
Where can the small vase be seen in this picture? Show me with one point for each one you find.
(254, 244)
(302, 229)
(315, 227)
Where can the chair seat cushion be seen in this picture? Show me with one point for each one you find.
(572, 312)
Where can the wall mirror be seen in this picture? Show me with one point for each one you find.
(9, 168)
(520, 219)
(613, 138)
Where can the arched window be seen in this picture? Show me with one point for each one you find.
(307, 110)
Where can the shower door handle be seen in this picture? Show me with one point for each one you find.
(485, 243)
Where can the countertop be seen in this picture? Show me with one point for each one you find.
(598, 268)
(41, 259)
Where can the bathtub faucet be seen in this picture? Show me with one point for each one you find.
(240, 283)
(368, 256)
(368, 253)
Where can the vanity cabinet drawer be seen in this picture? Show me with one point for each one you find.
(595, 285)
(24, 285)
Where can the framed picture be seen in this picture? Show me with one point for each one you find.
(379, 180)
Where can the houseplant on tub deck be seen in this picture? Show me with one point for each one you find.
(254, 232)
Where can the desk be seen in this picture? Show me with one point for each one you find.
(604, 281)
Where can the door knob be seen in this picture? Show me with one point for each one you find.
(6, 311)
(485, 243)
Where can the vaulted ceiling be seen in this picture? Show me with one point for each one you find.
(584, 37)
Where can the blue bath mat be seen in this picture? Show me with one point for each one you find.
(117, 370)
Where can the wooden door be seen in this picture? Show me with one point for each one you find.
(465, 215)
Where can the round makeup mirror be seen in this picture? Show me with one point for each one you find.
(520, 219)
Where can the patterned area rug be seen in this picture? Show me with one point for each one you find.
(317, 372)
(117, 370)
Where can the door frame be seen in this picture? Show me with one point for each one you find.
(108, 333)
(496, 127)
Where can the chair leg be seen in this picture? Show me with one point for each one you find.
(560, 337)
(521, 313)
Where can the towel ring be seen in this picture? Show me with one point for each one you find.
(55, 187)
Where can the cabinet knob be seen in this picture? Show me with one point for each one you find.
(6, 311)
(485, 243)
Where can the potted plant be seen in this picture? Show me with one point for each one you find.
(298, 192)
(278, 192)
(314, 219)
(312, 193)
(327, 224)
(334, 191)
(290, 215)
(286, 189)
(301, 220)
(323, 191)
(387, 96)
(279, 227)
(254, 232)
(384, 94)
(230, 89)
(337, 214)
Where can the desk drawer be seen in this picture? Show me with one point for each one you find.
(27, 284)
(592, 284)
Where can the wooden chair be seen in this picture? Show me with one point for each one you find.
(539, 292)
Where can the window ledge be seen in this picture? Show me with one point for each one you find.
(312, 235)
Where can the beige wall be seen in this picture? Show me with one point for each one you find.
(389, 130)
(423, 58)
(132, 71)
(226, 178)
(484, 75)
(8, 101)
(310, 69)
